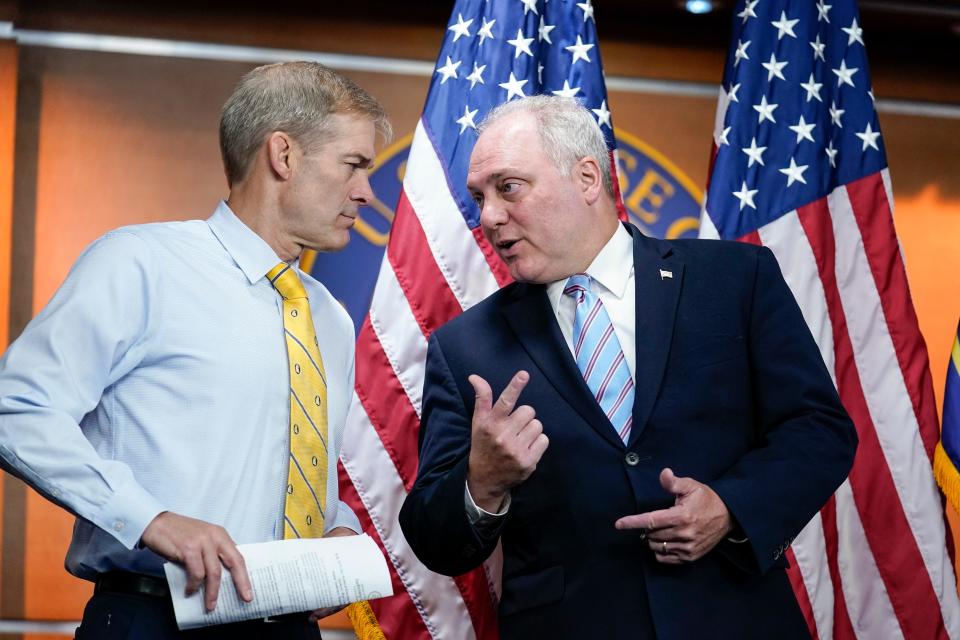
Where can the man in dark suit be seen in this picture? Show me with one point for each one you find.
(666, 425)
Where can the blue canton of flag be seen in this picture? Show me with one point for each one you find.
(498, 51)
(796, 116)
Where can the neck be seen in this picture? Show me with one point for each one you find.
(256, 209)
(607, 224)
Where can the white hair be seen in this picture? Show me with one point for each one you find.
(567, 131)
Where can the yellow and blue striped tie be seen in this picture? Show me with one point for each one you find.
(306, 502)
(306, 498)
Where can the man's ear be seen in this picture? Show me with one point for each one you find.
(279, 149)
(589, 178)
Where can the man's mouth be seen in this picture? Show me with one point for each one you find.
(504, 245)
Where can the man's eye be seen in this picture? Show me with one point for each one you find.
(479, 201)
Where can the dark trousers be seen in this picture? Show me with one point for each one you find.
(118, 616)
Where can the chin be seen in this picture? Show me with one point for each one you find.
(332, 242)
(518, 273)
(338, 244)
(535, 274)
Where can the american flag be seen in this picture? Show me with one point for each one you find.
(437, 264)
(799, 166)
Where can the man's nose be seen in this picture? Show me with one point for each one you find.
(493, 214)
(362, 193)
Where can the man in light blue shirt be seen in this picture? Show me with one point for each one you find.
(151, 396)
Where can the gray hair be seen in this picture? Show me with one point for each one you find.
(294, 97)
(567, 131)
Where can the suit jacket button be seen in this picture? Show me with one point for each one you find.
(632, 459)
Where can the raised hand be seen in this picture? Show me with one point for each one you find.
(506, 444)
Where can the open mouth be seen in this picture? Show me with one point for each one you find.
(504, 245)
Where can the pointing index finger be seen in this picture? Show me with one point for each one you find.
(508, 399)
(651, 520)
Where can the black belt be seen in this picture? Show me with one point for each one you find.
(132, 583)
(151, 586)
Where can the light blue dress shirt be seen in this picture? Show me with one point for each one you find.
(156, 379)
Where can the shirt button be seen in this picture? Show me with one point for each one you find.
(632, 459)
(118, 526)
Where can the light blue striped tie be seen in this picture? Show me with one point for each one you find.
(600, 357)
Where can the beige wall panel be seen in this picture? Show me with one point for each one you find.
(8, 104)
(123, 140)
(678, 127)
(49, 592)
(8, 108)
(928, 222)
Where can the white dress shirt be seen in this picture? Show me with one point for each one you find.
(611, 274)
(157, 379)
(611, 279)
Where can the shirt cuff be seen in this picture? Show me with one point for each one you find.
(481, 517)
(345, 517)
(128, 514)
(737, 535)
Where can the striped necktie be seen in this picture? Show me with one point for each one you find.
(599, 356)
(306, 499)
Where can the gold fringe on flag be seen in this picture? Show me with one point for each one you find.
(947, 476)
(364, 621)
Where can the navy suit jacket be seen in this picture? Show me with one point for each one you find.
(730, 390)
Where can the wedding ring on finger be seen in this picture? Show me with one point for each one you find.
(664, 547)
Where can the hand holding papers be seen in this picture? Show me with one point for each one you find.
(289, 576)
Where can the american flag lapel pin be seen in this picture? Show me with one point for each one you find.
(664, 274)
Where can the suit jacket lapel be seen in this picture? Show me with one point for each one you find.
(658, 277)
(531, 318)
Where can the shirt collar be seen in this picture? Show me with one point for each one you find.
(607, 268)
(251, 252)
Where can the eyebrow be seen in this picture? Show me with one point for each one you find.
(503, 173)
(364, 160)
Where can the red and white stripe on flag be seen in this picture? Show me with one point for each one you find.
(874, 563)
(434, 267)
(437, 264)
(799, 166)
